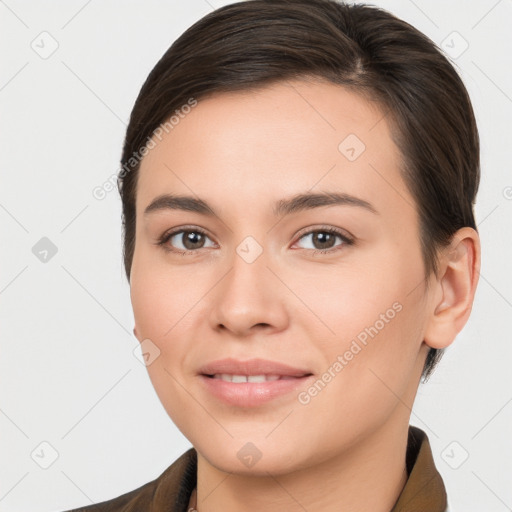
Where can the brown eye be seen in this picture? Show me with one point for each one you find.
(190, 239)
(185, 240)
(324, 240)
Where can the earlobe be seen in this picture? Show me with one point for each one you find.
(454, 289)
(135, 332)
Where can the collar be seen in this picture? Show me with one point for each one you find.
(424, 490)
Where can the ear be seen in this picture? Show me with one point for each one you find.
(135, 333)
(454, 288)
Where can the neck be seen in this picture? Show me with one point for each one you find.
(368, 476)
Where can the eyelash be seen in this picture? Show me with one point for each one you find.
(192, 229)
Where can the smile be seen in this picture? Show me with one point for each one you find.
(249, 378)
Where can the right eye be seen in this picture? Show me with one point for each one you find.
(183, 241)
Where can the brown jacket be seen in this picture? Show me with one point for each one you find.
(424, 490)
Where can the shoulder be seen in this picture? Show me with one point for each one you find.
(138, 499)
(173, 486)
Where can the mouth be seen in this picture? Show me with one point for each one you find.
(226, 377)
(252, 382)
(235, 368)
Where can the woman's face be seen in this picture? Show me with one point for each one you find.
(333, 289)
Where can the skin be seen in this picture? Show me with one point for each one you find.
(241, 152)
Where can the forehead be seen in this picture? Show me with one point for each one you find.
(276, 141)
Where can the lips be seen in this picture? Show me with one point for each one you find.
(251, 367)
(226, 377)
(253, 382)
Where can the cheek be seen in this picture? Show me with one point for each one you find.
(368, 297)
(151, 307)
(369, 370)
(162, 296)
(376, 314)
(161, 311)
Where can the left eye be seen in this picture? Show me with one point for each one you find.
(324, 239)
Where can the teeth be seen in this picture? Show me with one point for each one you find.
(246, 378)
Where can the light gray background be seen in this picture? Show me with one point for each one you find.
(68, 371)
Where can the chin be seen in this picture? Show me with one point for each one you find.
(255, 458)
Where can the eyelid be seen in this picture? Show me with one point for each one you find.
(167, 235)
(179, 229)
(344, 234)
(346, 237)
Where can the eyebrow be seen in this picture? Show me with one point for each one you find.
(282, 207)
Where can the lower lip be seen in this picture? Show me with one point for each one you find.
(252, 394)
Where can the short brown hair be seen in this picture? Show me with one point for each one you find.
(250, 44)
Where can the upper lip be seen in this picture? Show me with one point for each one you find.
(251, 367)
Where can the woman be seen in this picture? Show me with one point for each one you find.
(298, 181)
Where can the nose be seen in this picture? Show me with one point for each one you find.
(249, 298)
